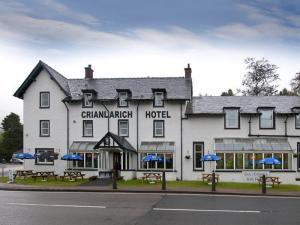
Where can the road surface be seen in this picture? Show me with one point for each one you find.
(61, 208)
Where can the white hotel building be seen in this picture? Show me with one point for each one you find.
(114, 122)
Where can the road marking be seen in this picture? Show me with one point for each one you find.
(67, 206)
(207, 210)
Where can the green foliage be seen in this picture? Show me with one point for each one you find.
(12, 137)
(286, 92)
(260, 78)
(228, 93)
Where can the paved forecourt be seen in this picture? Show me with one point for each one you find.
(123, 208)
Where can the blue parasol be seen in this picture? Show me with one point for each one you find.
(210, 157)
(269, 161)
(24, 156)
(72, 157)
(152, 158)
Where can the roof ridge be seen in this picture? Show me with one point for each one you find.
(111, 78)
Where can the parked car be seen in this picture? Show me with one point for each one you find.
(16, 161)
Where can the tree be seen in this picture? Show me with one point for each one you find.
(295, 83)
(286, 92)
(228, 93)
(12, 137)
(260, 77)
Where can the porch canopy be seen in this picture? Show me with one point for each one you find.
(114, 143)
(252, 144)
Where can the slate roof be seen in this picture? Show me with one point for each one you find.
(247, 104)
(177, 88)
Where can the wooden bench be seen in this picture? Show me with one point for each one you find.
(271, 180)
(45, 175)
(151, 177)
(208, 177)
(23, 173)
(72, 175)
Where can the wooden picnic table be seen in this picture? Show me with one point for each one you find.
(72, 175)
(151, 177)
(23, 173)
(44, 175)
(271, 180)
(208, 177)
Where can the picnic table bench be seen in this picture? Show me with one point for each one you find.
(23, 173)
(152, 177)
(271, 180)
(45, 175)
(208, 177)
(72, 175)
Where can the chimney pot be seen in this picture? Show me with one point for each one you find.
(188, 72)
(89, 72)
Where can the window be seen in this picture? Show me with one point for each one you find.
(44, 99)
(266, 119)
(167, 162)
(87, 100)
(232, 119)
(123, 129)
(44, 156)
(88, 128)
(298, 156)
(158, 99)
(158, 128)
(44, 128)
(297, 121)
(123, 99)
(250, 161)
(90, 161)
(198, 150)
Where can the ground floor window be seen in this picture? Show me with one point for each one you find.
(198, 151)
(90, 161)
(167, 162)
(250, 161)
(44, 156)
(298, 155)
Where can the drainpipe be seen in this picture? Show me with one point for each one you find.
(137, 135)
(285, 125)
(68, 130)
(181, 156)
(249, 122)
(108, 128)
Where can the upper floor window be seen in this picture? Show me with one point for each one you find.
(232, 119)
(123, 97)
(297, 121)
(266, 119)
(123, 128)
(44, 128)
(87, 100)
(88, 128)
(158, 98)
(158, 128)
(44, 99)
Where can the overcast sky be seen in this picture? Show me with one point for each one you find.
(136, 38)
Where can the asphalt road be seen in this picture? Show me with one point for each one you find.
(52, 208)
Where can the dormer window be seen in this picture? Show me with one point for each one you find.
(297, 121)
(232, 118)
(158, 99)
(87, 100)
(123, 99)
(266, 119)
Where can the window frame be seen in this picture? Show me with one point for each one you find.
(84, 98)
(297, 115)
(154, 129)
(44, 163)
(41, 134)
(119, 133)
(238, 118)
(273, 119)
(125, 100)
(194, 155)
(41, 106)
(163, 98)
(298, 156)
(156, 168)
(83, 128)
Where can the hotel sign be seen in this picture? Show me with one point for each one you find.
(158, 114)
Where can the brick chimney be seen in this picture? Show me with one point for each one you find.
(188, 72)
(89, 72)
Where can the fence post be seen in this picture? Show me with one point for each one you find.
(163, 182)
(263, 185)
(213, 182)
(114, 179)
